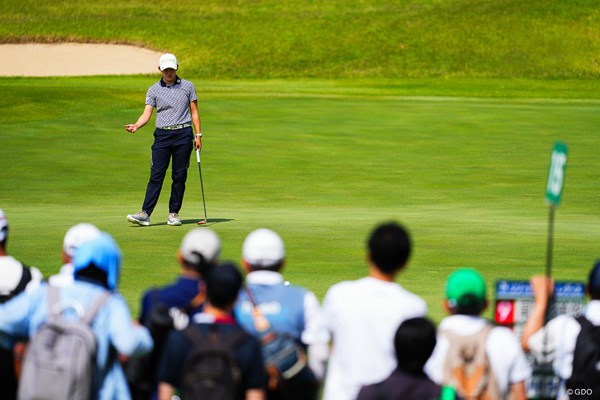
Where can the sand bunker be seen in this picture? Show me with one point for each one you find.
(76, 59)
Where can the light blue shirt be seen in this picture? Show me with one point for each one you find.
(113, 327)
(290, 309)
(282, 304)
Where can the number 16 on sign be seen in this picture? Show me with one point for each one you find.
(556, 175)
(556, 178)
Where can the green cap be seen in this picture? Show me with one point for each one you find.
(463, 282)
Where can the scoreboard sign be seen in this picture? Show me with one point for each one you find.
(514, 302)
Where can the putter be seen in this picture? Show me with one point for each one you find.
(202, 187)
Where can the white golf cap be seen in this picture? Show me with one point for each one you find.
(3, 226)
(167, 60)
(263, 248)
(200, 241)
(77, 235)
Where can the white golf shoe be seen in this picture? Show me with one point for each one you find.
(140, 218)
(173, 220)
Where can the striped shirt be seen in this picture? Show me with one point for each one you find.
(172, 103)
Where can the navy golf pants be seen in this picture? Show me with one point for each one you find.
(169, 145)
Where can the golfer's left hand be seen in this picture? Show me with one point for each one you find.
(542, 287)
(198, 143)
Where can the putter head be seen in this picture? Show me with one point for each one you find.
(203, 222)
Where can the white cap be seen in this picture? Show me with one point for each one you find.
(77, 235)
(200, 241)
(3, 226)
(167, 60)
(263, 248)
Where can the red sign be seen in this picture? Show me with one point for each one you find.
(505, 312)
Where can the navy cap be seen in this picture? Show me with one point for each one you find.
(594, 280)
(223, 283)
(3, 226)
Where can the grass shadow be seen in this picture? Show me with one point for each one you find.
(209, 221)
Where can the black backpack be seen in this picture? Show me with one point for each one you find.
(211, 372)
(140, 371)
(585, 379)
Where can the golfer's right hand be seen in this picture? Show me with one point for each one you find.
(131, 128)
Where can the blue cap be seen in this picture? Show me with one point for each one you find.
(102, 252)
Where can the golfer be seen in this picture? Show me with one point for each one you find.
(176, 104)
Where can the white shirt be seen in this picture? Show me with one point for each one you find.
(363, 316)
(11, 272)
(506, 357)
(561, 338)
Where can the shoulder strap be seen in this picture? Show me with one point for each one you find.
(201, 338)
(480, 335)
(90, 314)
(155, 300)
(53, 300)
(588, 326)
(195, 335)
(194, 303)
(484, 332)
(584, 322)
(465, 349)
(24, 281)
(234, 338)
(476, 337)
(21, 285)
(261, 323)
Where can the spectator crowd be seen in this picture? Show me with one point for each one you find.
(229, 331)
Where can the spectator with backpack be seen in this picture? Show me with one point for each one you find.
(171, 306)
(571, 344)
(479, 360)
(293, 321)
(414, 342)
(363, 316)
(213, 358)
(76, 332)
(15, 278)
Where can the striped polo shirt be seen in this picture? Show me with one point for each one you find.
(172, 103)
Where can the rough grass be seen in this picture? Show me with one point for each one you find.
(333, 38)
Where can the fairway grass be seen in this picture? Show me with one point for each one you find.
(463, 164)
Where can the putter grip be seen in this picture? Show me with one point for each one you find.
(198, 155)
